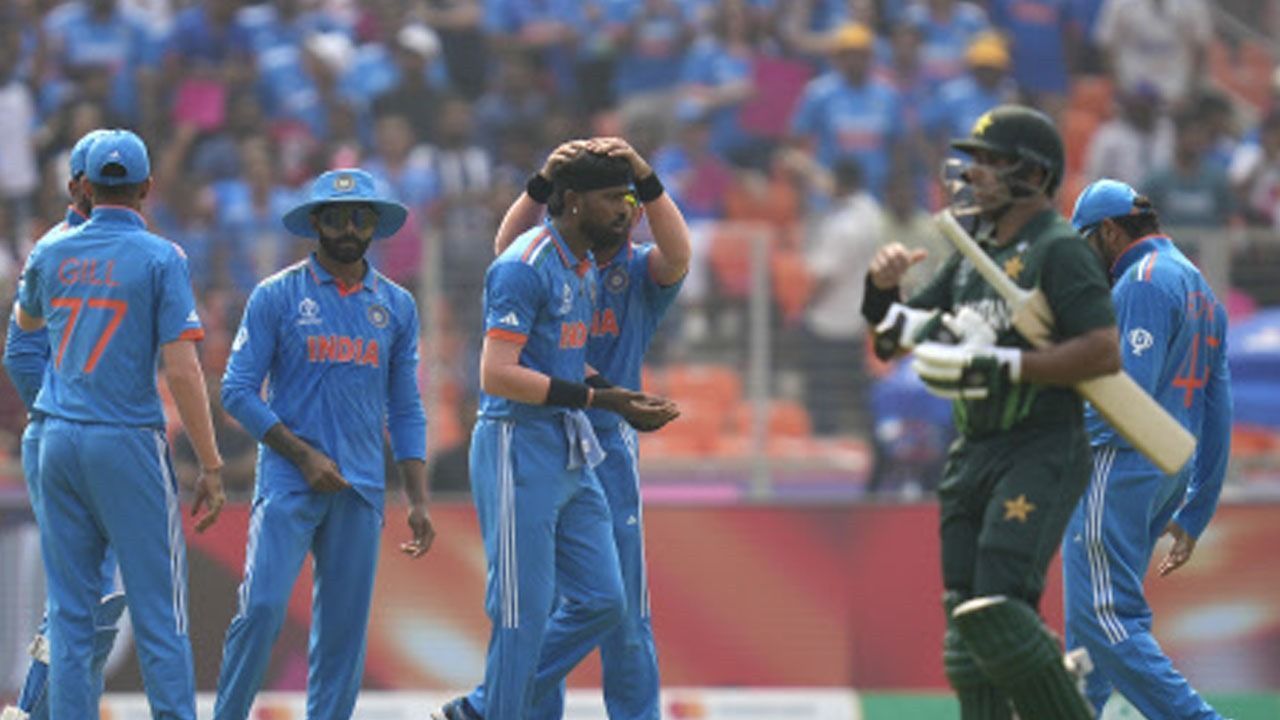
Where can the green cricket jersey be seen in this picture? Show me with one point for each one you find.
(1046, 253)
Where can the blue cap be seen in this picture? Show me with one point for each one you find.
(346, 185)
(80, 151)
(1101, 200)
(121, 148)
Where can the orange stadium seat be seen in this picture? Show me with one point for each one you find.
(1078, 127)
(730, 257)
(1092, 94)
(720, 384)
(792, 284)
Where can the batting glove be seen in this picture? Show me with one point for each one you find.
(903, 327)
(966, 372)
(970, 328)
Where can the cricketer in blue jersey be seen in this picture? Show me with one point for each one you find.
(117, 300)
(1173, 335)
(25, 357)
(545, 519)
(337, 344)
(638, 283)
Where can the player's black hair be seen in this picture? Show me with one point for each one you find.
(588, 171)
(1146, 221)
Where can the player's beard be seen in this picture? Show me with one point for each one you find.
(346, 248)
(606, 237)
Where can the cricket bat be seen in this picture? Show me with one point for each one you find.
(1125, 405)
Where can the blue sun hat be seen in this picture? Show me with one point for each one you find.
(346, 185)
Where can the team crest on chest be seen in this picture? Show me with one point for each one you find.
(617, 280)
(308, 312)
(378, 315)
(566, 299)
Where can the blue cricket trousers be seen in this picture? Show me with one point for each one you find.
(1105, 554)
(548, 537)
(106, 485)
(341, 531)
(628, 655)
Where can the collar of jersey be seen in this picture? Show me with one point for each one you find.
(618, 257)
(566, 255)
(1136, 250)
(74, 217)
(322, 276)
(119, 214)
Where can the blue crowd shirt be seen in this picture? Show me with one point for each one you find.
(537, 293)
(111, 294)
(846, 121)
(1173, 337)
(340, 365)
(629, 306)
(27, 353)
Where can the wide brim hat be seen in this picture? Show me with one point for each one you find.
(346, 185)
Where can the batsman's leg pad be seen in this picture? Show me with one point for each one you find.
(979, 698)
(1021, 657)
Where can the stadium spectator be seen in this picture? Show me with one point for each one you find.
(1159, 43)
(1191, 192)
(1134, 142)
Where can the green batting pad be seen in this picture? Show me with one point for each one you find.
(1021, 657)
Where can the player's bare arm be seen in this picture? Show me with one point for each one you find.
(669, 262)
(1093, 354)
(318, 469)
(414, 473)
(185, 378)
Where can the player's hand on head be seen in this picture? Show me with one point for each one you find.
(893, 261)
(618, 147)
(424, 532)
(322, 473)
(563, 153)
(210, 496)
(1183, 547)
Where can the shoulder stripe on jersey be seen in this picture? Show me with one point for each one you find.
(508, 335)
(536, 246)
(1149, 263)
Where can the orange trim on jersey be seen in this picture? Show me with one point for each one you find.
(1129, 247)
(535, 244)
(118, 309)
(510, 336)
(583, 267)
(192, 334)
(1151, 263)
(344, 290)
(73, 306)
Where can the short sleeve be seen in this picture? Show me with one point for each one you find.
(1076, 287)
(177, 318)
(513, 295)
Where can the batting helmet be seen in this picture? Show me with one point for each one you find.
(1022, 133)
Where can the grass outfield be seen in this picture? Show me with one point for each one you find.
(918, 706)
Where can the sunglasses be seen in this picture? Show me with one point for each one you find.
(337, 216)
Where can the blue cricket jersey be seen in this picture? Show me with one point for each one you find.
(629, 306)
(111, 294)
(340, 365)
(538, 294)
(27, 353)
(1174, 344)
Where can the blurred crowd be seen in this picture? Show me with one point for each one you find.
(821, 121)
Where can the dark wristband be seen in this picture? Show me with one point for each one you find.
(876, 302)
(563, 393)
(538, 188)
(649, 189)
(598, 382)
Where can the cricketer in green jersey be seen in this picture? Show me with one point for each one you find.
(1022, 458)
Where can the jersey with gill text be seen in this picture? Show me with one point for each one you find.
(340, 364)
(1048, 254)
(111, 294)
(629, 306)
(539, 295)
